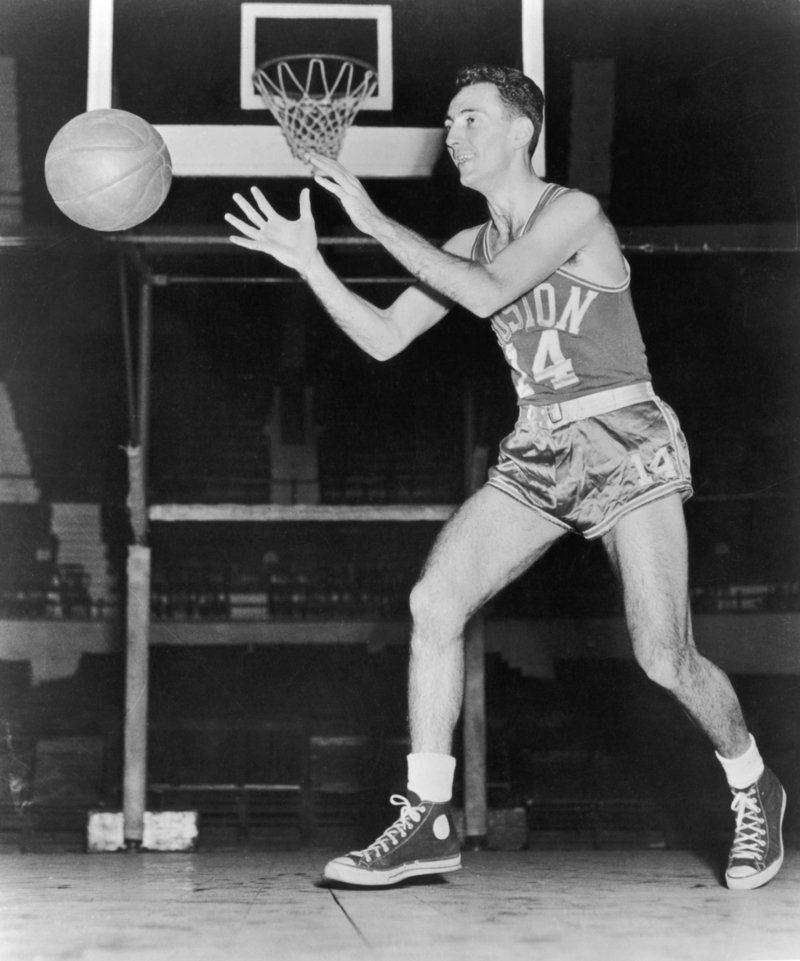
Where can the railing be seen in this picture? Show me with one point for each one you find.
(350, 593)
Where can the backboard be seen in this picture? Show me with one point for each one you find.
(186, 66)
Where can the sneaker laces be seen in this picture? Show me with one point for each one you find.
(748, 841)
(410, 815)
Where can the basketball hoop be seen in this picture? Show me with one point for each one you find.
(315, 110)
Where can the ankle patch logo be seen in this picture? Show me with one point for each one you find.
(441, 827)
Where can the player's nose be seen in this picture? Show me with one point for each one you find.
(452, 137)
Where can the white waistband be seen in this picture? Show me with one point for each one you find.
(592, 405)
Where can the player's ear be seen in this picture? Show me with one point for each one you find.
(522, 132)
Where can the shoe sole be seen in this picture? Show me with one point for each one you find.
(753, 881)
(366, 878)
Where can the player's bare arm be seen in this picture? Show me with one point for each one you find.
(382, 333)
(569, 228)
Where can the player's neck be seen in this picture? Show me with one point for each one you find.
(511, 204)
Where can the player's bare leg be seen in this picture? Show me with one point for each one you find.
(648, 549)
(488, 543)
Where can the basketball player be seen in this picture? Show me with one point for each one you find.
(594, 451)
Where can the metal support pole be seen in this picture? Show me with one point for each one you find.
(127, 347)
(474, 714)
(138, 597)
(136, 690)
(475, 794)
(145, 353)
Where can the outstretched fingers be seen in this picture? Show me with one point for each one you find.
(244, 242)
(264, 205)
(305, 205)
(329, 173)
(250, 211)
(346, 187)
(327, 165)
(247, 229)
(292, 242)
(330, 185)
(259, 219)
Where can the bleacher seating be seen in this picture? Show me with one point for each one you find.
(737, 566)
(27, 559)
(68, 453)
(287, 745)
(222, 459)
(86, 585)
(405, 468)
(17, 484)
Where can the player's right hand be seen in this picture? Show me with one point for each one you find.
(292, 242)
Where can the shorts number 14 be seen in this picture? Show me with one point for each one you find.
(660, 466)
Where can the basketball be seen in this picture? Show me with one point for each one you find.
(108, 169)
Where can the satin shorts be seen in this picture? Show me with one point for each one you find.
(585, 475)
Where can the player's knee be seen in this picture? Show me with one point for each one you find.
(664, 666)
(420, 601)
(431, 605)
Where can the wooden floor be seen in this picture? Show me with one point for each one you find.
(237, 906)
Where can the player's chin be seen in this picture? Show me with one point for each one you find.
(466, 177)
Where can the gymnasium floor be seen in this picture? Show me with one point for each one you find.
(553, 905)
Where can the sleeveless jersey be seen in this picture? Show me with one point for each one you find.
(567, 337)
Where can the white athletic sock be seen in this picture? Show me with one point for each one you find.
(430, 776)
(744, 770)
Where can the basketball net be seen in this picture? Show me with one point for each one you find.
(315, 108)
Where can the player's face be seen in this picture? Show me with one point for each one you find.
(479, 133)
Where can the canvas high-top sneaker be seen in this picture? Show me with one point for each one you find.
(422, 840)
(757, 852)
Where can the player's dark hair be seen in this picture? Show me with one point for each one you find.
(519, 93)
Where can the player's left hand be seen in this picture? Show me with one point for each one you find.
(292, 242)
(337, 180)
